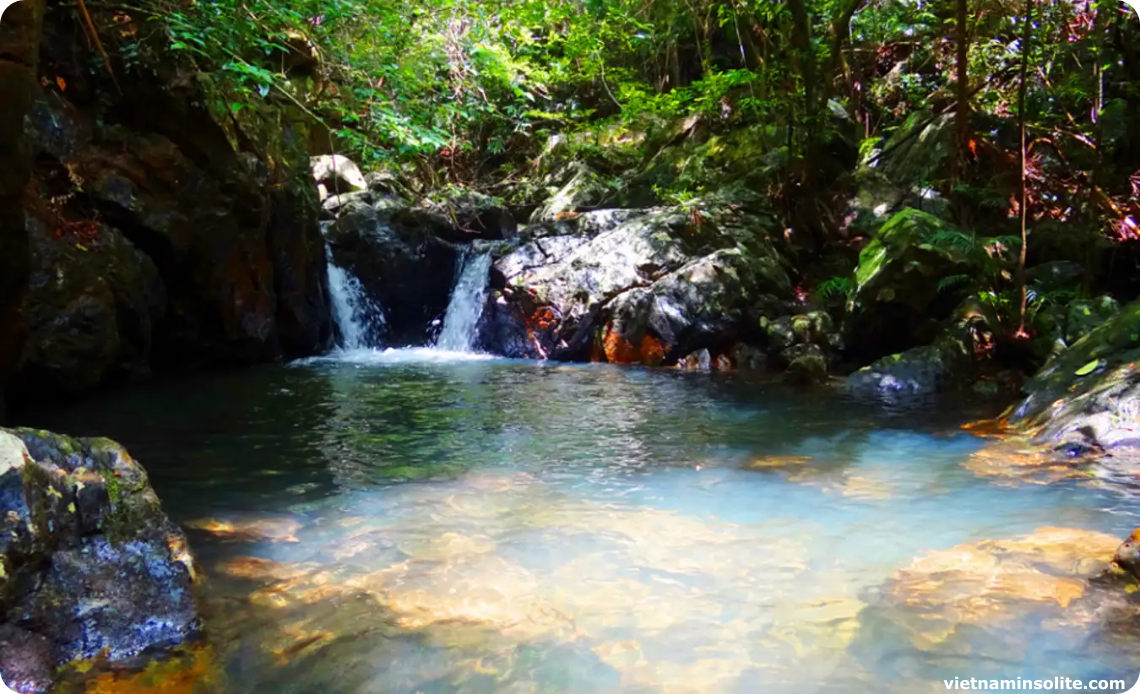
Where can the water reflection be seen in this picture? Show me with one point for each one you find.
(399, 524)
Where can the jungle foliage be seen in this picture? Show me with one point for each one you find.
(791, 99)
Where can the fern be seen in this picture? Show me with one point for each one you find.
(834, 287)
(952, 239)
(953, 282)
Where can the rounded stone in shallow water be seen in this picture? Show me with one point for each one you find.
(945, 596)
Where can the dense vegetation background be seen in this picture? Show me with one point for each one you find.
(1027, 110)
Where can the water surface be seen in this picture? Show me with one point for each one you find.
(422, 522)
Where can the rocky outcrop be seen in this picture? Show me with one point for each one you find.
(805, 344)
(19, 53)
(1086, 400)
(638, 286)
(165, 233)
(892, 176)
(90, 563)
(578, 188)
(952, 362)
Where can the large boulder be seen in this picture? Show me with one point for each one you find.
(1086, 399)
(336, 174)
(956, 358)
(639, 286)
(899, 297)
(401, 265)
(91, 565)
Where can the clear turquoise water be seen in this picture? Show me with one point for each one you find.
(460, 526)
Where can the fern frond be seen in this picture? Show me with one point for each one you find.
(952, 239)
(953, 282)
(834, 287)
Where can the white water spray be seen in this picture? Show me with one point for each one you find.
(467, 301)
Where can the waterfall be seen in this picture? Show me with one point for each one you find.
(467, 301)
(359, 319)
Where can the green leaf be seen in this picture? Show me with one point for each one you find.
(1088, 368)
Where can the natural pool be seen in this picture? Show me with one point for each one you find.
(417, 522)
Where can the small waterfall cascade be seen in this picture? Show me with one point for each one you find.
(467, 301)
(359, 319)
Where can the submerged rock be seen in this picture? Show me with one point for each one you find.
(91, 565)
(943, 595)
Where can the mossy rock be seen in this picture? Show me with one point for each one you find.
(919, 371)
(87, 557)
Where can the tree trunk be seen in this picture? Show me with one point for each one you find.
(961, 160)
(1026, 38)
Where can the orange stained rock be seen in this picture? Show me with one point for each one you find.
(722, 363)
(193, 672)
(618, 350)
(651, 352)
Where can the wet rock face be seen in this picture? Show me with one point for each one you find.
(639, 286)
(162, 235)
(91, 312)
(91, 564)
